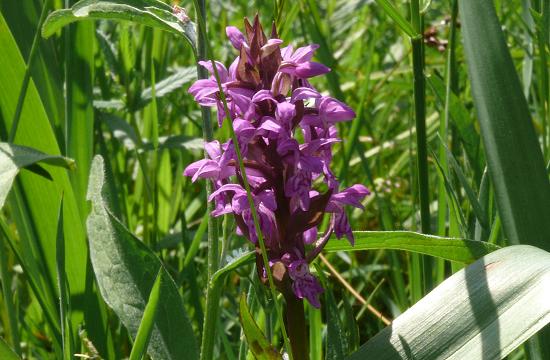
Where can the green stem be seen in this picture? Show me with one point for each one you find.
(421, 138)
(27, 76)
(213, 291)
(420, 117)
(7, 294)
(542, 7)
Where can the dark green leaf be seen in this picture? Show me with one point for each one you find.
(514, 158)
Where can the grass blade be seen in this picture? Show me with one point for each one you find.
(454, 249)
(403, 24)
(6, 352)
(147, 322)
(64, 298)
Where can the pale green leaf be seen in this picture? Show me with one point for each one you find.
(482, 312)
(16, 157)
(126, 269)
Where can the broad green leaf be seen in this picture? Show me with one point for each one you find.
(481, 312)
(6, 353)
(146, 326)
(514, 158)
(454, 249)
(257, 342)
(15, 157)
(152, 13)
(126, 269)
(34, 195)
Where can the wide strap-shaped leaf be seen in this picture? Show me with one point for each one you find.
(484, 311)
(514, 158)
(15, 157)
(126, 270)
(152, 13)
(454, 249)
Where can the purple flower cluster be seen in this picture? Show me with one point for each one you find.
(285, 129)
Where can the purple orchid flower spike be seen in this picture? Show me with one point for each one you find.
(285, 130)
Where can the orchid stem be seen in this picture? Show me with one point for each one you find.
(296, 324)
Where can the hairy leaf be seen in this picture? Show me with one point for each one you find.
(126, 269)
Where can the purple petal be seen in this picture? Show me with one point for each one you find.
(192, 168)
(342, 227)
(303, 93)
(263, 95)
(286, 52)
(352, 196)
(227, 187)
(304, 284)
(267, 198)
(310, 236)
(288, 67)
(244, 130)
(208, 169)
(235, 36)
(311, 69)
(305, 53)
(333, 110)
(285, 112)
(289, 146)
(213, 149)
(270, 46)
(269, 127)
(222, 70)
